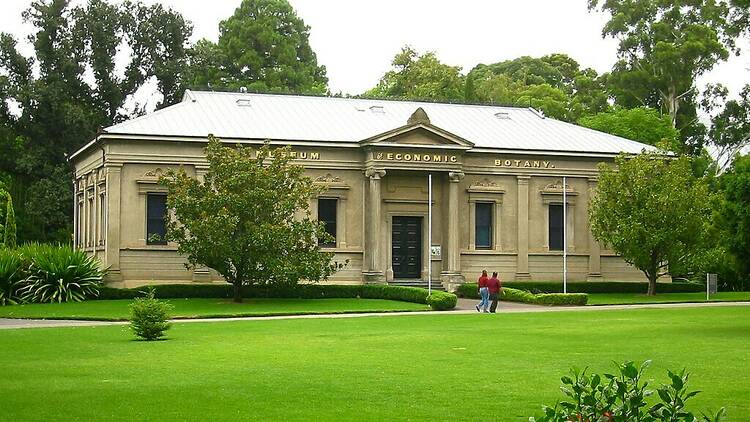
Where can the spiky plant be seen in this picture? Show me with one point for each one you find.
(12, 272)
(60, 274)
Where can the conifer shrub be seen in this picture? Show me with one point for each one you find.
(149, 317)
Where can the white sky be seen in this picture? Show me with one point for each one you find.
(356, 40)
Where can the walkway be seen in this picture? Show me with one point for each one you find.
(461, 308)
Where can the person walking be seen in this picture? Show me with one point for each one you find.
(495, 289)
(483, 293)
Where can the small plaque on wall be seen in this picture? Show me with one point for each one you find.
(435, 251)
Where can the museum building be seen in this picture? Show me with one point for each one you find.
(497, 190)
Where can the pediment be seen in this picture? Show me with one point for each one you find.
(419, 135)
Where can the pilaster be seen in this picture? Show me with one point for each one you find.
(451, 275)
(112, 248)
(373, 271)
(522, 260)
(595, 271)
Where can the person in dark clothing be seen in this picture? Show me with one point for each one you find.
(494, 288)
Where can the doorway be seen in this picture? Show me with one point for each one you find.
(406, 247)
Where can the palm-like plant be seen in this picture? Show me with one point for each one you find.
(11, 274)
(60, 274)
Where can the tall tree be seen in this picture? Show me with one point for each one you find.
(56, 99)
(555, 83)
(730, 126)
(419, 77)
(249, 219)
(640, 124)
(263, 46)
(652, 211)
(663, 48)
(734, 215)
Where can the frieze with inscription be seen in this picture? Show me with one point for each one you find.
(416, 157)
(537, 164)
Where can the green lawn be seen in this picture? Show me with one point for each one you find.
(418, 367)
(207, 308)
(626, 298)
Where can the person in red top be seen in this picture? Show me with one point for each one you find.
(483, 304)
(495, 288)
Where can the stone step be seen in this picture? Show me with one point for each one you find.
(436, 285)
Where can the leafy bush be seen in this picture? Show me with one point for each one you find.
(12, 273)
(441, 301)
(303, 291)
(469, 289)
(623, 397)
(149, 317)
(59, 274)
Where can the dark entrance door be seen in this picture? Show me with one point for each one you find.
(406, 247)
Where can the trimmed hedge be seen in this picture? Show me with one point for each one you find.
(591, 287)
(515, 295)
(440, 301)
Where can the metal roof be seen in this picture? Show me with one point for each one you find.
(346, 120)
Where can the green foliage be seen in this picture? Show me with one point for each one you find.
(730, 127)
(733, 217)
(516, 294)
(623, 396)
(555, 84)
(301, 291)
(149, 317)
(652, 212)
(9, 228)
(419, 77)
(441, 301)
(59, 274)
(640, 124)
(263, 46)
(249, 219)
(663, 48)
(12, 273)
(470, 289)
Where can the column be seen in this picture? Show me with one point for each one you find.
(595, 271)
(341, 222)
(112, 249)
(522, 259)
(373, 271)
(201, 274)
(451, 275)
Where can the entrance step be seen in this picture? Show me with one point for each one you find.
(422, 284)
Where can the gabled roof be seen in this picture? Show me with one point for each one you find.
(349, 120)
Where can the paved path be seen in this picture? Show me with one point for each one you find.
(503, 308)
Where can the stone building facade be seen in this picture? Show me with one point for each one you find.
(497, 186)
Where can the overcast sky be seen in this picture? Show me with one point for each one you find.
(356, 40)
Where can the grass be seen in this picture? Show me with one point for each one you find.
(417, 367)
(633, 298)
(118, 310)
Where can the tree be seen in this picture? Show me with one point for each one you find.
(663, 48)
(419, 77)
(9, 226)
(640, 124)
(249, 219)
(555, 84)
(263, 46)
(734, 215)
(652, 212)
(730, 127)
(55, 101)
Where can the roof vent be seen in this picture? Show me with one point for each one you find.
(377, 109)
(244, 102)
(502, 115)
(243, 89)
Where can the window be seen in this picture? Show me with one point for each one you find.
(555, 227)
(102, 219)
(91, 232)
(327, 214)
(483, 219)
(156, 211)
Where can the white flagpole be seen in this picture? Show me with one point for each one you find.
(565, 237)
(429, 234)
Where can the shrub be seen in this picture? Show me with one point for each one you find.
(303, 291)
(511, 294)
(149, 317)
(12, 273)
(59, 274)
(441, 301)
(622, 397)
(469, 289)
